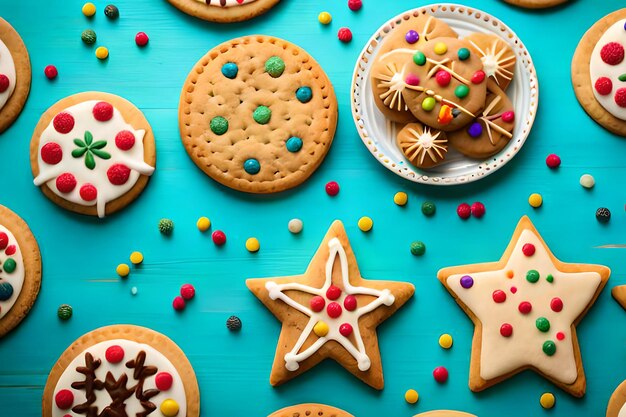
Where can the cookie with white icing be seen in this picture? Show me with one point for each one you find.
(92, 153)
(224, 11)
(20, 270)
(525, 308)
(330, 311)
(617, 402)
(15, 75)
(599, 72)
(497, 56)
(422, 146)
(312, 410)
(122, 370)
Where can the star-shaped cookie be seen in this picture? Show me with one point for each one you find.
(619, 293)
(330, 311)
(525, 308)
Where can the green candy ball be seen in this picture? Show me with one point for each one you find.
(532, 276)
(419, 58)
(418, 248)
(428, 208)
(543, 325)
(275, 66)
(166, 226)
(88, 36)
(219, 125)
(262, 115)
(428, 104)
(9, 265)
(461, 91)
(549, 348)
(64, 312)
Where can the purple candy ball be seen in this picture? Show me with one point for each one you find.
(475, 130)
(467, 281)
(412, 36)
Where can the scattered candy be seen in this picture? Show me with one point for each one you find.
(102, 52)
(122, 270)
(603, 215)
(233, 323)
(51, 72)
(166, 226)
(478, 209)
(89, 9)
(464, 210)
(169, 408)
(553, 161)
(344, 35)
(440, 374)
(178, 303)
(365, 224)
(428, 208)
(355, 5)
(324, 18)
(445, 341)
(88, 36)
(295, 226)
(535, 200)
(440, 48)
(253, 245)
(133, 291)
(136, 258)
(400, 198)
(320, 329)
(203, 224)
(112, 12)
(64, 312)
(187, 291)
(418, 248)
(141, 39)
(332, 188)
(547, 400)
(587, 181)
(411, 396)
(219, 238)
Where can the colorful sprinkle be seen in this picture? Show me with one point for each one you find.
(324, 18)
(445, 115)
(262, 115)
(102, 52)
(445, 341)
(51, 72)
(499, 296)
(418, 248)
(112, 12)
(89, 9)
(461, 91)
(233, 323)
(542, 323)
(166, 226)
(253, 245)
(123, 270)
(64, 312)
(549, 348)
(467, 281)
(88, 36)
(535, 200)
(478, 209)
(187, 291)
(219, 237)
(440, 374)
(178, 303)
(419, 58)
(440, 48)
(556, 304)
(169, 408)
(506, 330)
(136, 258)
(332, 188)
(400, 198)
(355, 5)
(230, 70)
(275, 66)
(464, 211)
(463, 54)
(114, 354)
(525, 307)
(252, 166)
(295, 226)
(293, 144)
(64, 399)
(365, 224)
(344, 35)
(553, 161)
(133, 291)
(532, 276)
(550, 278)
(428, 103)
(163, 381)
(304, 94)
(528, 249)
(560, 336)
(320, 329)
(203, 224)
(428, 208)
(547, 400)
(603, 215)
(411, 396)
(141, 39)
(587, 181)
(412, 36)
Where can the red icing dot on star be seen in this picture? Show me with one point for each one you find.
(114, 354)
(333, 310)
(332, 188)
(508, 116)
(4, 240)
(499, 296)
(528, 249)
(4, 83)
(603, 86)
(64, 399)
(333, 292)
(10, 250)
(102, 111)
(66, 182)
(556, 304)
(620, 97)
(350, 303)
(187, 291)
(560, 336)
(219, 237)
(118, 174)
(345, 329)
(125, 140)
(51, 153)
(443, 78)
(506, 330)
(178, 303)
(525, 307)
(478, 77)
(88, 192)
(63, 122)
(612, 53)
(464, 210)
(440, 374)
(513, 290)
(317, 303)
(163, 381)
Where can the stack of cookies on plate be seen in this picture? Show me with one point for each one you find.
(444, 90)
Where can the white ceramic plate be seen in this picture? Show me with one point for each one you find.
(379, 135)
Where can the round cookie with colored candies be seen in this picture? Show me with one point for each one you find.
(92, 153)
(497, 56)
(422, 146)
(257, 114)
(617, 402)
(599, 72)
(20, 270)
(122, 370)
(450, 85)
(489, 133)
(224, 11)
(318, 410)
(15, 75)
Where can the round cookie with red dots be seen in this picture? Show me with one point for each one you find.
(224, 11)
(92, 153)
(599, 72)
(319, 410)
(15, 75)
(122, 370)
(257, 114)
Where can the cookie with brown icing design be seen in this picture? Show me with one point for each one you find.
(497, 56)
(446, 86)
(312, 410)
(422, 146)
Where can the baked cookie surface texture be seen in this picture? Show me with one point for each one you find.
(15, 74)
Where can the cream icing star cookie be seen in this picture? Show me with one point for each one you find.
(330, 311)
(525, 308)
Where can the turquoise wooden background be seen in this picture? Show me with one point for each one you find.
(80, 253)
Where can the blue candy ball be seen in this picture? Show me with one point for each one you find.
(229, 70)
(6, 291)
(252, 166)
(294, 144)
(475, 130)
(304, 94)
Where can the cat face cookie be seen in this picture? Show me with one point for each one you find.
(224, 11)
(15, 74)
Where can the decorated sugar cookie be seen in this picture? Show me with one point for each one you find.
(330, 312)
(422, 146)
(617, 402)
(92, 153)
(224, 11)
(257, 114)
(525, 308)
(497, 56)
(15, 74)
(20, 270)
(599, 72)
(313, 410)
(122, 370)
(619, 293)
(413, 31)
(444, 413)
(536, 4)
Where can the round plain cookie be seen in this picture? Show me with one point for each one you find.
(581, 74)
(444, 413)
(21, 63)
(224, 11)
(617, 402)
(20, 270)
(137, 358)
(257, 114)
(312, 410)
(535, 4)
(70, 145)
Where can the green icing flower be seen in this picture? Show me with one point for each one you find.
(89, 148)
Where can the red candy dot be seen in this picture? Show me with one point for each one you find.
(4, 83)
(478, 77)
(478, 209)
(464, 210)
(51, 153)
(88, 192)
(350, 303)
(118, 174)
(620, 97)
(333, 310)
(508, 116)
(553, 161)
(412, 79)
(64, 399)
(102, 111)
(345, 329)
(125, 140)
(612, 53)
(556, 304)
(560, 336)
(332, 188)
(317, 303)
(219, 238)
(506, 330)
(603, 86)
(344, 35)
(163, 381)
(499, 296)
(51, 72)
(440, 374)
(66, 182)
(528, 249)
(178, 303)
(525, 307)
(63, 122)
(114, 354)
(333, 292)
(355, 5)
(513, 290)
(141, 39)
(4, 240)
(10, 250)
(443, 78)
(187, 291)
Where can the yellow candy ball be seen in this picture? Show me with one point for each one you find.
(440, 48)
(445, 341)
(365, 224)
(89, 9)
(411, 396)
(169, 408)
(324, 18)
(547, 400)
(203, 224)
(320, 329)
(400, 198)
(253, 245)
(535, 200)
(136, 258)
(102, 52)
(122, 270)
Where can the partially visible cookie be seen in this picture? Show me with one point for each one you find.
(422, 146)
(15, 74)
(20, 270)
(122, 370)
(617, 402)
(535, 4)
(388, 78)
(257, 114)
(497, 56)
(224, 11)
(310, 410)
(413, 31)
(619, 293)
(444, 413)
